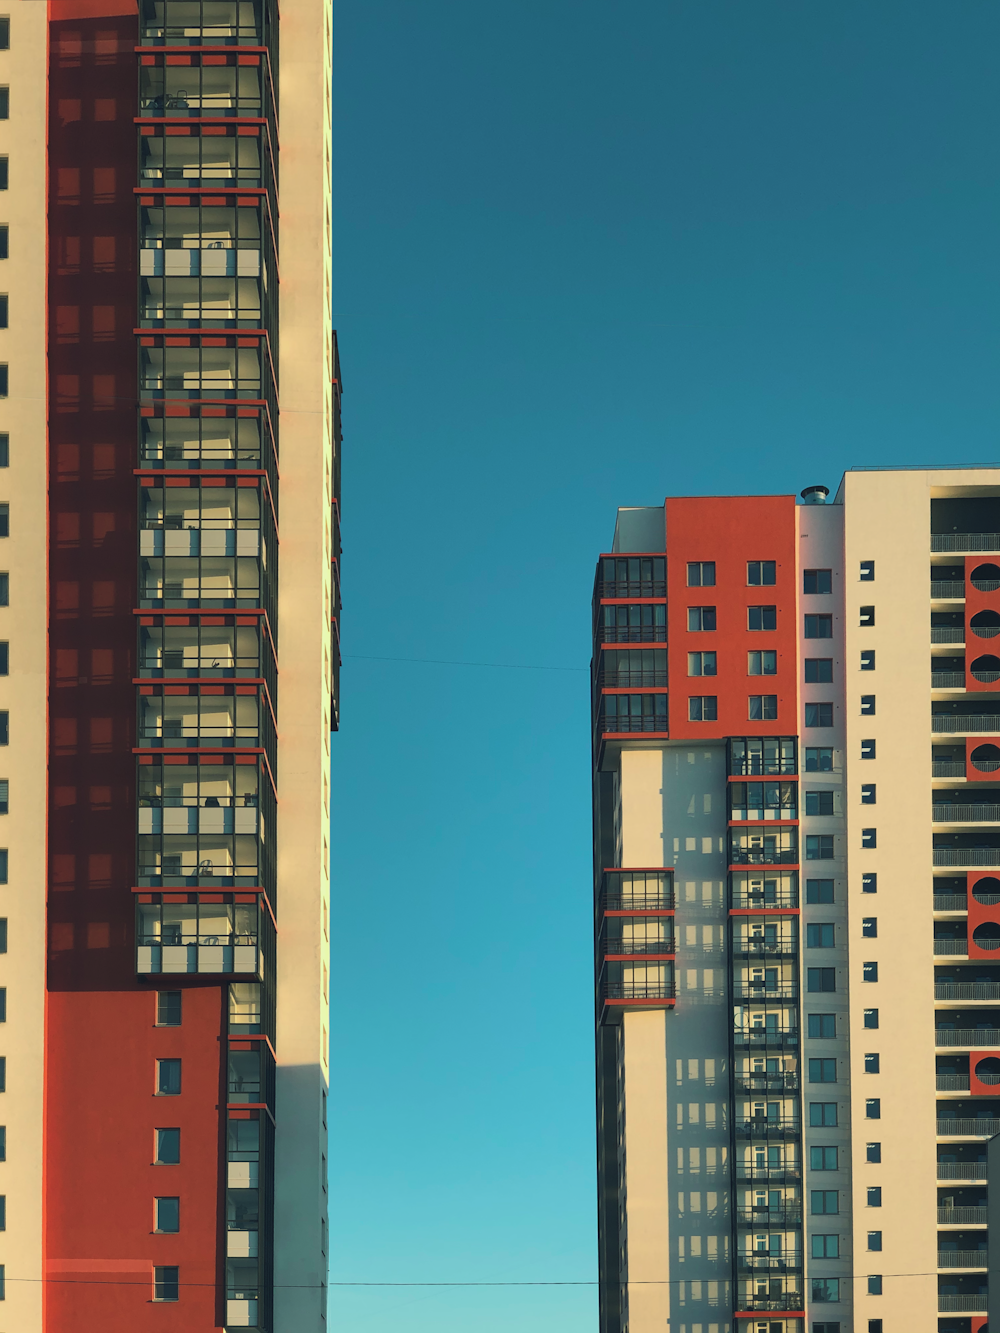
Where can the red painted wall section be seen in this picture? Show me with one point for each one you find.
(983, 652)
(101, 1040)
(731, 530)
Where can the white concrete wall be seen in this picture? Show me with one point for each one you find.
(306, 459)
(24, 485)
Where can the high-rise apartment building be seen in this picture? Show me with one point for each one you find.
(169, 510)
(797, 890)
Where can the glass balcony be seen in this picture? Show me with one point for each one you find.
(762, 756)
(204, 22)
(762, 889)
(763, 800)
(632, 624)
(213, 938)
(632, 576)
(193, 160)
(205, 652)
(203, 443)
(636, 936)
(200, 720)
(633, 712)
(763, 846)
(636, 890)
(632, 668)
(201, 91)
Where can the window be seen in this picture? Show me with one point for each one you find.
(817, 580)
(701, 574)
(3, 1004)
(3, 1073)
(822, 1114)
(166, 1284)
(820, 935)
(867, 574)
(869, 883)
(703, 708)
(868, 705)
(4, 590)
(875, 1325)
(5, 520)
(871, 1062)
(4, 34)
(819, 627)
(874, 1196)
(873, 1152)
(826, 1289)
(823, 1159)
(869, 971)
(866, 616)
(4, 796)
(4, 248)
(3, 1212)
(819, 802)
(874, 1240)
(822, 1071)
(762, 707)
(4, 728)
(764, 663)
(875, 1289)
(822, 1025)
(3, 865)
(167, 1214)
(819, 846)
(168, 1008)
(821, 979)
(168, 1147)
(4, 174)
(819, 715)
(868, 659)
(873, 1109)
(868, 793)
(867, 749)
(871, 1019)
(168, 1077)
(819, 759)
(701, 664)
(4, 369)
(869, 837)
(819, 890)
(760, 573)
(869, 927)
(826, 1247)
(701, 617)
(762, 617)
(3, 934)
(4, 300)
(826, 1328)
(819, 670)
(824, 1201)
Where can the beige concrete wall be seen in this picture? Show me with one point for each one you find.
(23, 693)
(306, 373)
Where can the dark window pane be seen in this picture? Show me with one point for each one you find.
(819, 890)
(819, 670)
(168, 1008)
(168, 1147)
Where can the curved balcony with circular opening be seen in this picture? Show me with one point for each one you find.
(985, 758)
(986, 578)
(986, 669)
(985, 624)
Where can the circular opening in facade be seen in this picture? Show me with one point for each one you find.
(987, 935)
(988, 1070)
(985, 624)
(986, 668)
(986, 891)
(986, 758)
(986, 578)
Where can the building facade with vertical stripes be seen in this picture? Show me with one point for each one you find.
(796, 740)
(169, 663)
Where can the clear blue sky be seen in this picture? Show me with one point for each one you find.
(586, 254)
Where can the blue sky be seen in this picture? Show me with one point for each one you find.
(586, 254)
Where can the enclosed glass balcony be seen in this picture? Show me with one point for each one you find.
(199, 937)
(205, 161)
(203, 91)
(202, 443)
(204, 22)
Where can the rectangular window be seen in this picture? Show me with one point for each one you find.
(4, 728)
(3, 1143)
(761, 573)
(875, 1325)
(873, 1152)
(4, 304)
(826, 1289)
(869, 837)
(4, 247)
(4, 173)
(167, 1214)
(703, 708)
(822, 1025)
(702, 664)
(875, 1289)
(868, 793)
(875, 1240)
(819, 670)
(819, 759)
(868, 705)
(871, 1018)
(701, 574)
(873, 1109)
(4, 590)
(168, 1008)
(5, 34)
(817, 580)
(824, 1201)
(4, 374)
(168, 1077)
(869, 883)
(869, 971)
(869, 927)
(822, 1071)
(820, 935)
(867, 749)
(819, 627)
(762, 707)
(822, 1114)
(874, 1196)
(762, 617)
(826, 1328)
(764, 663)
(4, 796)
(819, 715)
(4, 520)
(819, 802)
(866, 616)
(4, 658)
(3, 1073)
(872, 1063)
(701, 617)
(166, 1284)
(868, 659)
(819, 890)
(167, 1147)
(819, 846)
(867, 574)
(3, 1004)
(823, 1159)
(3, 934)
(3, 1212)
(3, 865)
(826, 1247)
(821, 979)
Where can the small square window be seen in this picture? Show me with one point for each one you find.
(822, 1026)
(873, 1152)
(819, 847)
(868, 793)
(819, 715)
(167, 1214)
(168, 1008)
(873, 1109)
(762, 707)
(764, 663)
(871, 1018)
(819, 759)
(824, 1201)
(702, 664)
(823, 1159)
(869, 927)
(869, 837)
(762, 617)
(701, 617)
(826, 1247)
(822, 1071)
(867, 574)
(872, 1063)
(869, 883)
(875, 1289)
(867, 705)
(166, 1284)
(168, 1078)
(868, 659)
(703, 708)
(826, 1289)
(874, 1196)
(819, 890)
(821, 979)
(817, 580)
(820, 935)
(822, 1114)
(701, 574)
(167, 1147)
(819, 670)
(869, 971)
(819, 802)
(866, 616)
(819, 627)
(761, 573)
(867, 749)
(875, 1240)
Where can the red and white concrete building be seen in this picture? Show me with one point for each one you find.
(797, 907)
(169, 545)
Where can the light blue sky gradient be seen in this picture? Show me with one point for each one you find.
(586, 254)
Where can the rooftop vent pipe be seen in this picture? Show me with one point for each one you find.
(815, 495)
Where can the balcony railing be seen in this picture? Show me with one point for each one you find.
(770, 896)
(958, 1304)
(950, 902)
(947, 680)
(962, 722)
(611, 945)
(962, 1259)
(791, 1300)
(962, 1217)
(947, 634)
(777, 990)
(770, 1217)
(967, 856)
(952, 1083)
(763, 856)
(766, 1038)
(969, 1128)
(966, 1037)
(760, 1127)
(628, 990)
(766, 1082)
(631, 588)
(751, 1174)
(751, 948)
(965, 541)
(631, 680)
(223, 956)
(961, 1170)
(966, 814)
(790, 1262)
(958, 947)
(948, 768)
(636, 891)
(967, 990)
(947, 588)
